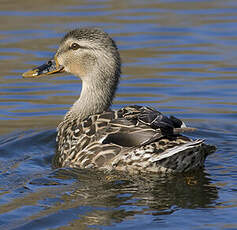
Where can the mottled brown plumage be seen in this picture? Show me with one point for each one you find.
(134, 138)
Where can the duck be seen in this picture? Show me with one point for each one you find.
(133, 139)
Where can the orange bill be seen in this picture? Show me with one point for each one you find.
(50, 67)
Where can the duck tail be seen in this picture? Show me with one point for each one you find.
(183, 158)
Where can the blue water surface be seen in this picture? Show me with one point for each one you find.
(178, 56)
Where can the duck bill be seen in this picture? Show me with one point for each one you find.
(51, 67)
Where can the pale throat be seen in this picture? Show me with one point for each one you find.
(96, 97)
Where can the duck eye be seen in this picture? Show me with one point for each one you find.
(75, 46)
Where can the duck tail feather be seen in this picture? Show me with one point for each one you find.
(186, 157)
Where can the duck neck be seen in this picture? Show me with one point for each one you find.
(96, 96)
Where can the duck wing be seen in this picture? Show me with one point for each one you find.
(155, 119)
(140, 125)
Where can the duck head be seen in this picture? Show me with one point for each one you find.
(84, 52)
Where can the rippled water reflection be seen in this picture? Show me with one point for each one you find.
(178, 56)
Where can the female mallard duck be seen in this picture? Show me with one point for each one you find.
(134, 138)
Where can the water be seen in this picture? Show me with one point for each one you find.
(178, 56)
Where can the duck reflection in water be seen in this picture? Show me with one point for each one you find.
(99, 198)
